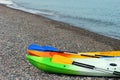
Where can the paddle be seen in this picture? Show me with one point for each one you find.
(53, 49)
(65, 60)
(41, 48)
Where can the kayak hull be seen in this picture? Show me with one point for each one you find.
(45, 64)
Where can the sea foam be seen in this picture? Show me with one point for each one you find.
(12, 4)
(6, 2)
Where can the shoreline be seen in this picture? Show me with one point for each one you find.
(98, 37)
(37, 12)
(19, 29)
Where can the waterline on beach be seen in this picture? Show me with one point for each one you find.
(106, 26)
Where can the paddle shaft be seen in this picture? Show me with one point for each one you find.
(95, 68)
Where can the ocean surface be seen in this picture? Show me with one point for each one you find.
(100, 16)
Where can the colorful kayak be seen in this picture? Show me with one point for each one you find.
(36, 47)
(108, 64)
(80, 55)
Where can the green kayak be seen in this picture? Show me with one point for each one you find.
(46, 64)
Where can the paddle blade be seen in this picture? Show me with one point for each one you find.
(35, 47)
(41, 48)
(61, 59)
(50, 48)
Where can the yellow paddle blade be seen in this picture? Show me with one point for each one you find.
(61, 59)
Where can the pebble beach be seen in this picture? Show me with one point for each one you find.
(18, 29)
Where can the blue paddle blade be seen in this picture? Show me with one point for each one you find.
(41, 48)
(50, 48)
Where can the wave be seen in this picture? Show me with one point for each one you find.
(97, 21)
(105, 28)
(6, 2)
(14, 5)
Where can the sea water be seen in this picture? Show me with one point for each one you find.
(100, 16)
